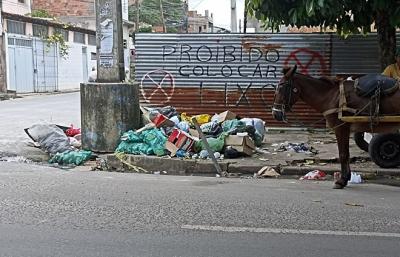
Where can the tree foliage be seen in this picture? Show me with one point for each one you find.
(149, 12)
(346, 16)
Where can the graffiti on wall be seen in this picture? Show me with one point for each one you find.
(236, 70)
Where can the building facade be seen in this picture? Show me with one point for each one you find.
(31, 62)
(82, 13)
(198, 23)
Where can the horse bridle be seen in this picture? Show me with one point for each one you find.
(288, 87)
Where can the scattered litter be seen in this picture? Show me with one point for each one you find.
(296, 147)
(157, 173)
(354, 204)
(314, 175)
(355, 178)
(267, 171)
(71, 157)
(19, 159)
(51, 138)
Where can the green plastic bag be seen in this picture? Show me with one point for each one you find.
(148, 142)
(156, 140)
(216, 144)
(233, 126)
(71, 157)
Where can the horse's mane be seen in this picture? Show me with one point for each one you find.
(330, 81)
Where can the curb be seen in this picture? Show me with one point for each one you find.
(176, 166)
(292, 170)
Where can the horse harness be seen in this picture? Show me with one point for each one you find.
(372, 86)
(287, 95)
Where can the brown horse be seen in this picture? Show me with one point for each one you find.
(323, 95)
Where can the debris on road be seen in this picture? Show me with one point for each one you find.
(267, 172)
(314, 175)
(60, 142)
(355, 178)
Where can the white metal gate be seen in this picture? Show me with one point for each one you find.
(20, 58)
(45, 66)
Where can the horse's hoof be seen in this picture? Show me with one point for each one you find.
(338, 186)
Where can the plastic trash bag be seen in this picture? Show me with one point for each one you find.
(259, 126)
(314, 175)
(355, 178)
(211, 128)
(216, 144)
(201, 118)
(233, 126)
(148, 142)
(155, 139)
(71, 157)
(51, 138)
(184, 126)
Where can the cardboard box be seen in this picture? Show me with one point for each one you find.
(161, 121)
(243, 144)
(171, 148)
(226, 115)
(181, 139)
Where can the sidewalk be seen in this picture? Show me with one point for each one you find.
(288, 162)
(64, 109)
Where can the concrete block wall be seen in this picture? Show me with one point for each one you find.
(70, 69)
(66, 7)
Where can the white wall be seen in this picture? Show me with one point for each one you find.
(70, 70)
(13, 6)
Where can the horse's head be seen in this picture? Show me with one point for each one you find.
(286, 94)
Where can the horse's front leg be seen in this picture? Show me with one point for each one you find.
(342, 136)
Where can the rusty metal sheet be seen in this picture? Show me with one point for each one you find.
(211, 73)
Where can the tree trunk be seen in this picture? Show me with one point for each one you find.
(162, 17)
(386, 38)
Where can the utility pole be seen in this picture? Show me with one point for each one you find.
(109, 106)
(137, 16)
(162, 17)
(245, 17)
(110, 51)
(233, 17)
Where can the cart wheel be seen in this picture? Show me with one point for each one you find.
(360, 141)
(384, 150)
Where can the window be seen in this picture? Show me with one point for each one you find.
(93, 56)
(79, 37)
(63, 32)
(16, 27)
(92, 40)
(40, 30)
(21, 1)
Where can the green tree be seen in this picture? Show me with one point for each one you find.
(346, 16)
(149, 12)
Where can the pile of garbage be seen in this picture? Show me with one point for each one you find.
(168, 132)
(61, 143)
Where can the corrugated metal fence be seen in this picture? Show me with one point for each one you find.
(210, 73)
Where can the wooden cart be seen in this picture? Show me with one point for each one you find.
(384, 149)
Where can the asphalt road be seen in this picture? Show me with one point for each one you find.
(52, 212)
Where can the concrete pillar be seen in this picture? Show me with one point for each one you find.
(110, 51)
(109, 107)
(107, 111)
